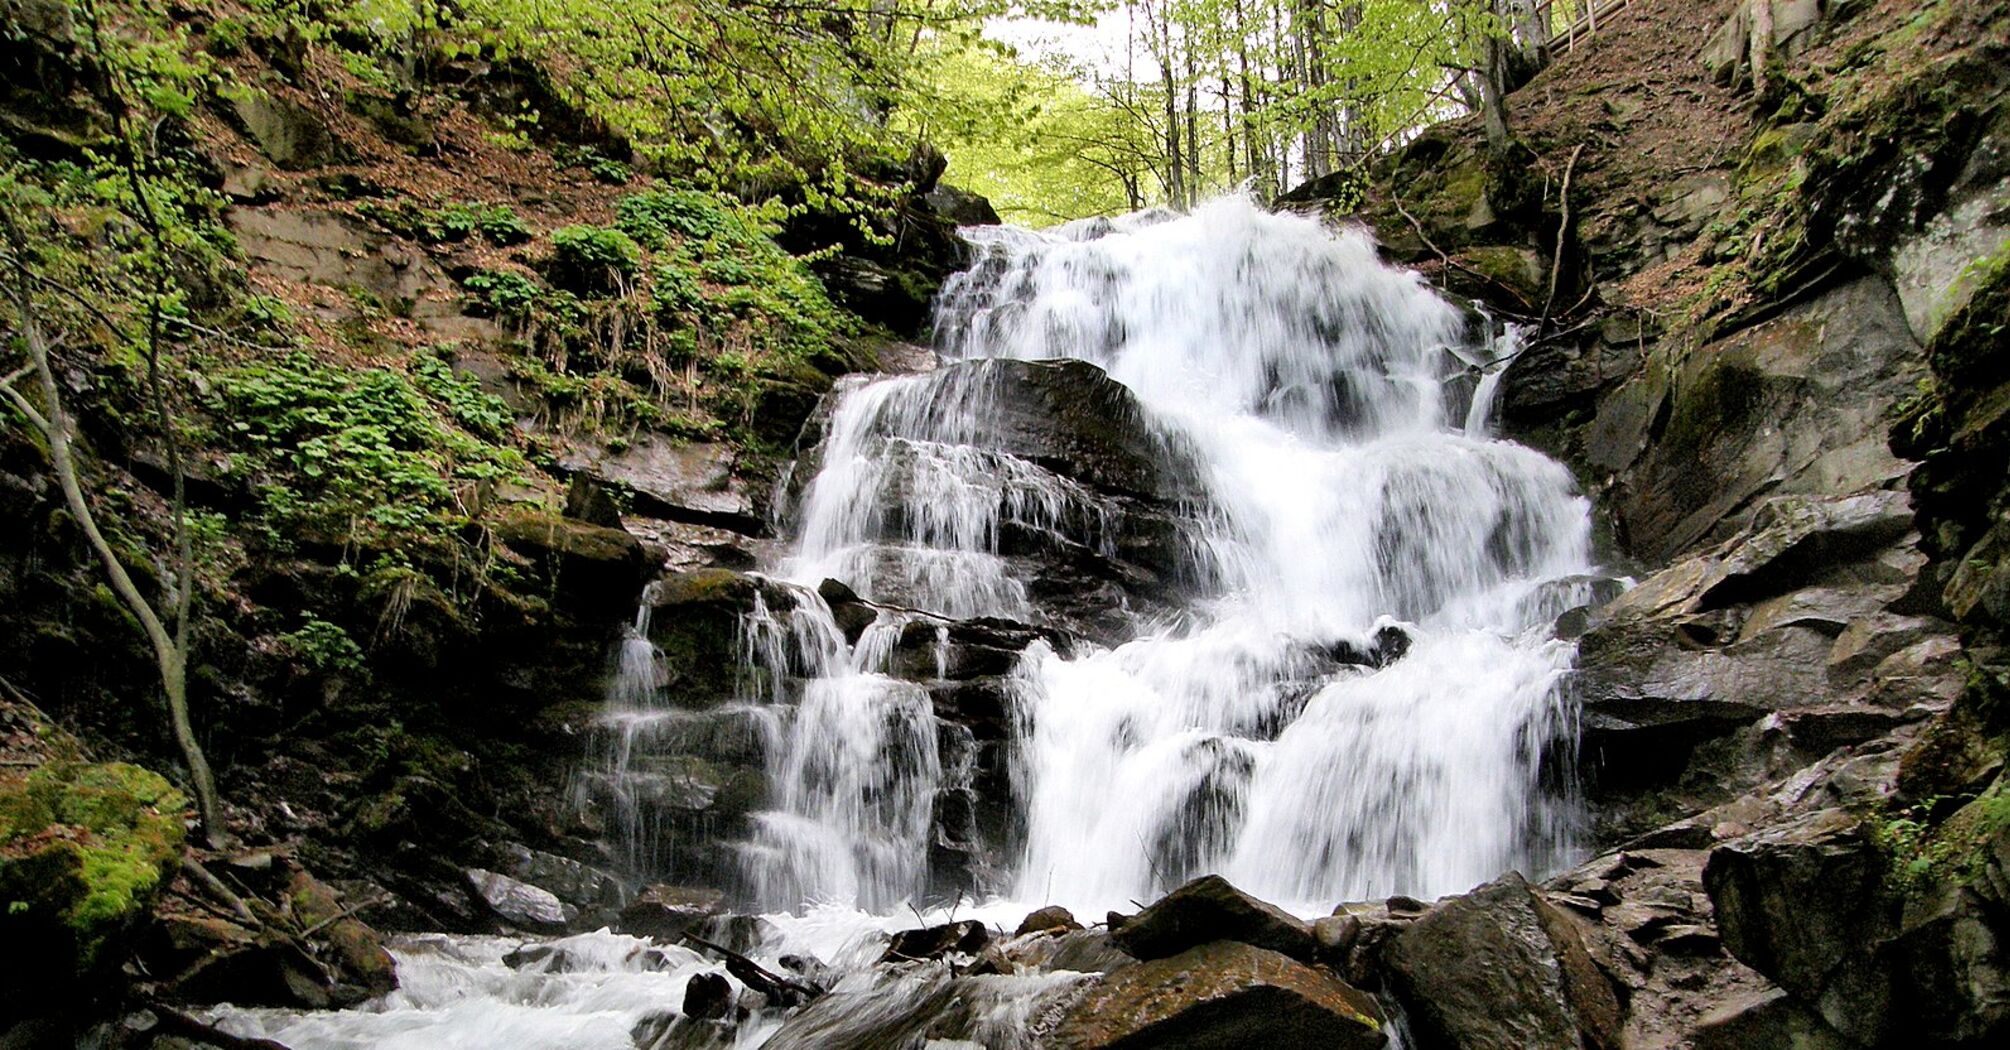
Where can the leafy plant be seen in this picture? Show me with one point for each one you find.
(322, 648)
(592, 260)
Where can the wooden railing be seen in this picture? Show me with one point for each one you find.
(1584, 27)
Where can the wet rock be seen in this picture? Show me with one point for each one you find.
(592, 502)
(1767, 1020)
(1501, 968)
(664, 913)
(1353, 939)
(1209, 909)
(672, 1031)
(594, 567)
(257, 970)
(966, 937)
(852, 614)
(587, 888)
(1220, 996)
(695, 620)
(740, 933)
(708, 996)
(1951, 953)
(353, 951)
(1804, 903)
(683, 481)
(1051, 917)
(1796, 403)
(1046, 951)
(521, 904)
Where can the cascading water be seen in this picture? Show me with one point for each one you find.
(1315, 393)
(1342, 685)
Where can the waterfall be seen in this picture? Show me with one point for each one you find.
(1276, 607)
(1322, 406)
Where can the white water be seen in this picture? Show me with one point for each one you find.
(1326, 407)
(1343, 449)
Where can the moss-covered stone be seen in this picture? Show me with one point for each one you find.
(84, 849)
(1494, 272)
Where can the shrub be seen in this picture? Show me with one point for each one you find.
(592, 260)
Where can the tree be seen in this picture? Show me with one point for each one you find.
(166, 624)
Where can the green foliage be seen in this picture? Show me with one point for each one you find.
(507, 294)
(592, 260)
(1925, 853)
(722, 94)
(322, 648)
(451, 223)
(475, 409)
(353, 447)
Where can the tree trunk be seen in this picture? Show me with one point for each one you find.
(1762, 44)
(170, 653)
(1493, 87)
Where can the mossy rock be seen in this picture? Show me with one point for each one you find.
(1968, 351)
(1507, 276)
(84, 850)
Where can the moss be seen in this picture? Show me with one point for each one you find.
(1968, 352)
(1927, 854)
(1515, 270)
(85, 848)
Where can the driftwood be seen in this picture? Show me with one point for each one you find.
(215, 887)
(780, 990)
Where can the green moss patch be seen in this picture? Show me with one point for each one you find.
(83, 850)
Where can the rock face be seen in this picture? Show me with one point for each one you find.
(1502, 968)
(1209, 909)
(1796, 403)
(1220, 996)
(688, 482)
(1805, 904)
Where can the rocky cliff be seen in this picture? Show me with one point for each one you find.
(1758, 323)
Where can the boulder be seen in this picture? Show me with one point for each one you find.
(353, 951)
(585, 887)
(520, 904)
(592, 567)
(1805, 903)
(1051, 917)
(664, 913)
(960, 206)
(1502, 968)
(85, 849)
(1209, 909)
(966, 937)
(1220, 996)
(708, 997)
(293, 136)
